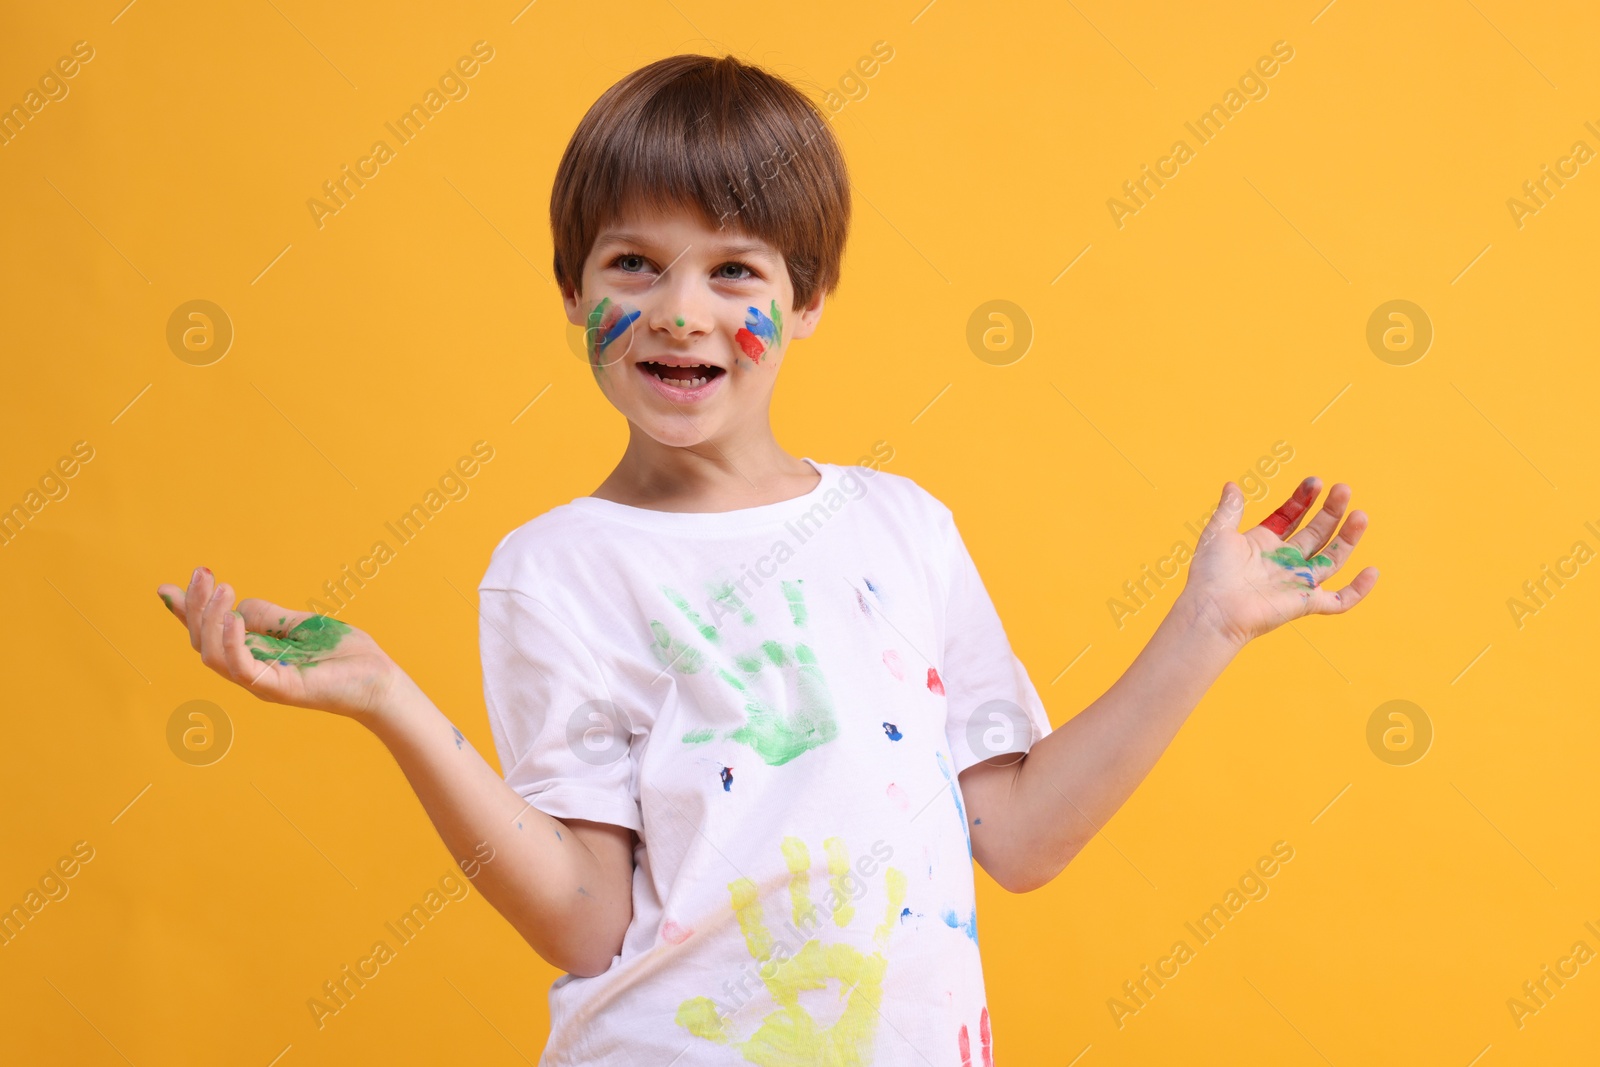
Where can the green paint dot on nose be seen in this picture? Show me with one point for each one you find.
(680, 320)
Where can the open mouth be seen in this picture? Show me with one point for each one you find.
(686, 378)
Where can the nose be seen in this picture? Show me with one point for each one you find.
(680, 306)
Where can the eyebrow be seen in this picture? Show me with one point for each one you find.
(720, 249)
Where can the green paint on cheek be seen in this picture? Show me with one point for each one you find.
(303, 646)
(777, 324)
(698, 737)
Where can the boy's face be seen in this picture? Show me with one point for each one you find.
(687, 325)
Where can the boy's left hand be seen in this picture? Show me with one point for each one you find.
(1246, 584)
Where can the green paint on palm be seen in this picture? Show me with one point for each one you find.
(797, 600)
(699, 737)
(303, 646)
(1289, 556)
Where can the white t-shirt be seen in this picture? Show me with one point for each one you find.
(778, 700)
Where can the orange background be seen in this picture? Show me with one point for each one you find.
(1229, 313)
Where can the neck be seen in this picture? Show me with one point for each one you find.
(706, 476)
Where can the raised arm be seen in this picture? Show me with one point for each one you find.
(1038, 811)
(565, 886)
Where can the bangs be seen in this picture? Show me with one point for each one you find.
(728, 140)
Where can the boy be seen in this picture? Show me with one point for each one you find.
(757, 713)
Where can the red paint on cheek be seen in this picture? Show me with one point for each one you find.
(935, 685)
(1286, 516)
(752, 345)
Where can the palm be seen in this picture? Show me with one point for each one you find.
(1251, 582)
(287, 657)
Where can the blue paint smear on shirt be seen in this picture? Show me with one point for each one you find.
(970, 927)
(955, 794)
(892, 731)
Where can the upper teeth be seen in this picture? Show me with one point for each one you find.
(692, 383)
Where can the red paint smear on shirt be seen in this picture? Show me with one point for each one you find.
(752, 345)
(891, 659)
(934, 684)
(964, 1043)
(1286, 516)
(674, 934)
(985, 1039)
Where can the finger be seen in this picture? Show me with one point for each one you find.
(201, 586)
(1317, 532)
(1339, 601)
(1225, 519)
(1331, 558)
(265, 617)
(1285, 518)
(216, 609)
(260, 677)
(173, 597)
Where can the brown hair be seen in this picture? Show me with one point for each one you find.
(740, 144)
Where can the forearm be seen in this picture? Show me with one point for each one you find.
(1073, 780)
(542, 878)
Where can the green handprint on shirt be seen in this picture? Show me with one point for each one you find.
(776, 736)
(788, 1034)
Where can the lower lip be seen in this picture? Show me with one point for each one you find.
(677, 393)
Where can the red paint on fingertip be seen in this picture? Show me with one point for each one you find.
(1286, 516)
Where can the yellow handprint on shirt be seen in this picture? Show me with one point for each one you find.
(788, 1034)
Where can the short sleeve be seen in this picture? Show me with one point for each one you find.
(993, 706)
(564, 746)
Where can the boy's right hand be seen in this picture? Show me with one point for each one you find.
(287, 657)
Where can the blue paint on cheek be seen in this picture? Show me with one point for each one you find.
(757, 322)
(618, 328)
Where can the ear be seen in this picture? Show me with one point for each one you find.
(572, 302)
(805, 319)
